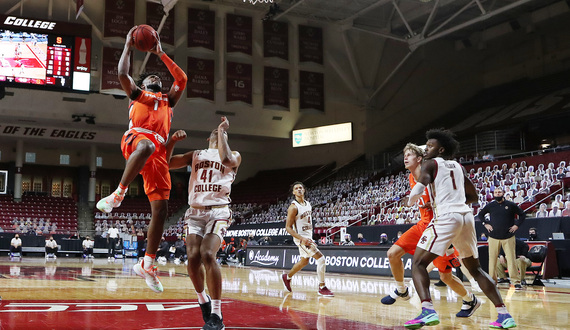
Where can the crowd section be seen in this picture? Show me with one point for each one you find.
(363, 198)
(132, 219)
(38, 215)
(352, 197)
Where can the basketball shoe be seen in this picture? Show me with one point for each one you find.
(469, 308)
(325, 292)
(391, 298)
(206, 309)
(427, 317)
(110, 202)
(286, 282)
(150, 276)
(504, 321)
(214, 323)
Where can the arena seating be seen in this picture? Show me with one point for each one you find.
(133, 214)
(38, 213)
(370, 200)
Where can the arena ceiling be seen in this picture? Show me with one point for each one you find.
(411, 22)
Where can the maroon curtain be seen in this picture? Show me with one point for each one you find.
(310, 44)
(276, 39)
(201, 28)
(200, 78)
(312, 91)
(238, 82)
(276, 87)
(119, 17)
(154, 14)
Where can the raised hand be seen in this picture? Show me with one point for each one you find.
(157, 49)
(129, 41)
(178, 135)
(224, 125)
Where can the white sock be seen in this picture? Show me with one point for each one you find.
(468, 297)
(289, 277)
(502, 310)
(401, 286)
(427, 304)
(217, 307)
(321, 269)
(147, 262)
(202, 297)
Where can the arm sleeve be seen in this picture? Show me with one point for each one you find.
(180, 78)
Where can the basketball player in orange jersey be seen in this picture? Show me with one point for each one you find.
(208, 217)
(143, 146)
(413, 156)
(299, 224)
(450, 190)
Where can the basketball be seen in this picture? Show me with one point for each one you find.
(144, 37)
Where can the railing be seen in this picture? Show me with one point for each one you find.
(561, 189)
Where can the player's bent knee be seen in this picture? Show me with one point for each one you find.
(146, 148)
(395, 253)
(208, 257)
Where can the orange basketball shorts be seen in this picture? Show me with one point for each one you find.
(409, 240)
(155, 172)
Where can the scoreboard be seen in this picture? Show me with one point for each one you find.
(44, 54)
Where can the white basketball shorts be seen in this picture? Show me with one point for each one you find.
(451, 228)
(202, 221)
(307, 252)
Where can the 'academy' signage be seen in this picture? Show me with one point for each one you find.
(366, 261)
(267, 259)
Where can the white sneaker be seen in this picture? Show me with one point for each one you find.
(177, 261)
(108, 258)
(150, 276)
(108, 203)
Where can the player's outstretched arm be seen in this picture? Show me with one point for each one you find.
(426, 177)
(177, 161)
(229, 158)
(127, 82)
(180, 78)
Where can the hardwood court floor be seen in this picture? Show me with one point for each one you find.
(72, 294)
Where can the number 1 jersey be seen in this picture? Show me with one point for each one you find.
(210, 181)
(447, 191)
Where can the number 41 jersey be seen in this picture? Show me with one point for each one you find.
(210, 181)
(447, 191)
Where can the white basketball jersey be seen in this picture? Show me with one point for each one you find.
(447, 192)
(210, 181)
(304, 221)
